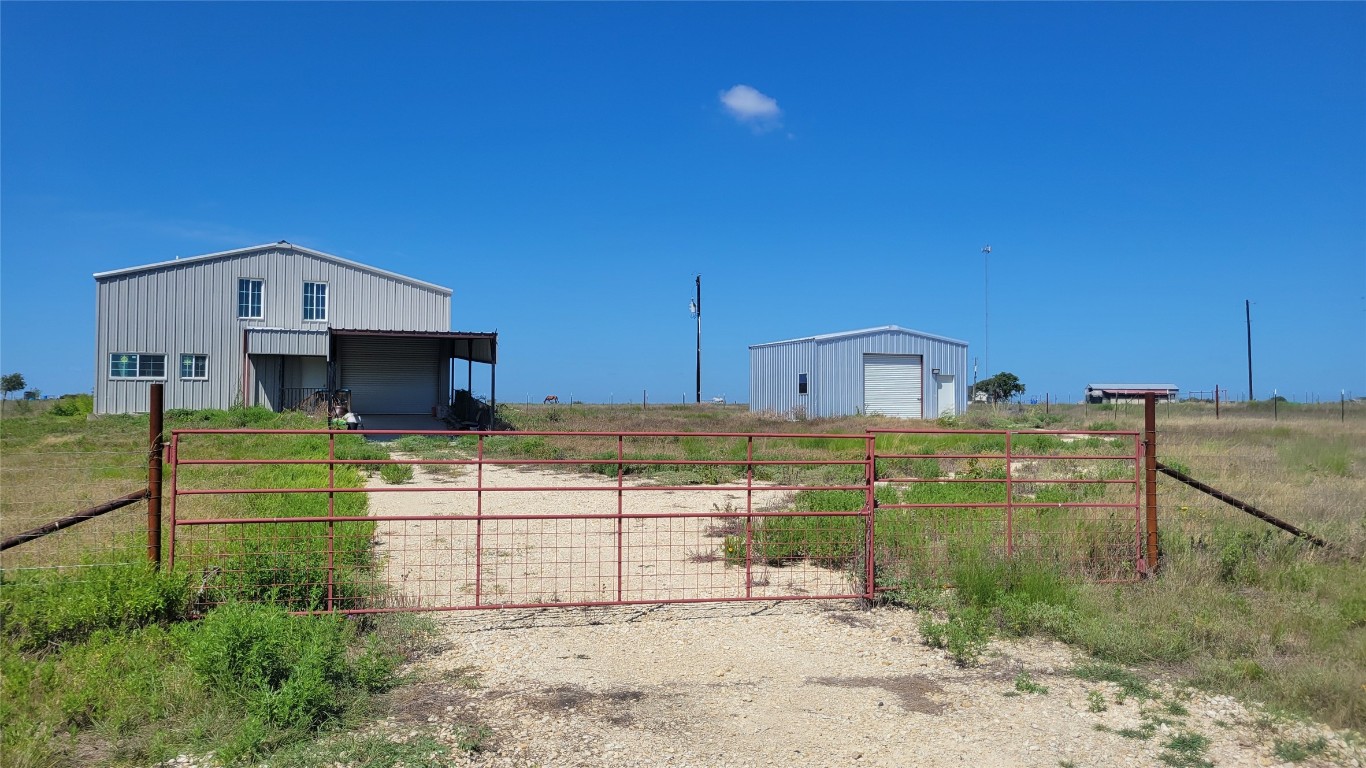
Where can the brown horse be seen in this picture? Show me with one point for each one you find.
(551, 399)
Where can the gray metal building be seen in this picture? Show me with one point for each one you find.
(890, 370)
(271, 324)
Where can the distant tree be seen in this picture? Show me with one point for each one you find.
(1002, 386)
(12, 382)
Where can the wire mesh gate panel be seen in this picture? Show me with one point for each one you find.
(326, 521)
(1068, 501)
(499, 520)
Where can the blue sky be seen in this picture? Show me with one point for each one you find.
(1138, 169)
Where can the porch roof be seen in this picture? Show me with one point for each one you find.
(476, 347)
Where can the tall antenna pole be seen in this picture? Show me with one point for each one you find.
(697, 311)
(986, 315)
(1247, 307)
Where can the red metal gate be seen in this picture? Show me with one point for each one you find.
(513, 520)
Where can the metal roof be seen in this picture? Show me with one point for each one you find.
(280, 244)
(1133, 387)
(479, 347)
(845, 334)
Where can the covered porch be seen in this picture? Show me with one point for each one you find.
(387, 373)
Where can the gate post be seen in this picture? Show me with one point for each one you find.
(1010, 507)
(156, 424)
(1150, 474)
(331, 512)
(870, 526)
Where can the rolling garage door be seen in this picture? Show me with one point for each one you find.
(892, 385)
(389, 375)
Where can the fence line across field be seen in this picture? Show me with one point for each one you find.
(741, 534)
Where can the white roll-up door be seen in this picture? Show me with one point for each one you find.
(892, 385)
(389, 375)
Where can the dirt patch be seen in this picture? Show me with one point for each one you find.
(418, 702)
(612, 705)
(913, 690)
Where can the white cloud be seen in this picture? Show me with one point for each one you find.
(751, 107)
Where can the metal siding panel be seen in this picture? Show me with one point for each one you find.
(266, 381)
(192, 308)
(273, 341)
(773, 378)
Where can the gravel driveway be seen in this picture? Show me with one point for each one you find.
(809, 683)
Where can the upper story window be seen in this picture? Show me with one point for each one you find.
(801, 383)
(315, 301)
(249, 293)
(194, 366)
(136, 365)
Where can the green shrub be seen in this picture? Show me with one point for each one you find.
(73, 405)
(55, 608)
(1025, 684)
(396, 474)
(964, 634)
(290, 672)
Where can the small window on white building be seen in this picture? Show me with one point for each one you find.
(136, 365)
(194, 366)
(249, 295)
(315, 301)
(801, 383)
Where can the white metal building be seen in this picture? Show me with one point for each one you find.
(891, 371)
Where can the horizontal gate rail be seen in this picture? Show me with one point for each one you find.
(762, 516)
(624, 515)
(937, 518)
(481, 542)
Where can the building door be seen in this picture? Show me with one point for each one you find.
(948, 405)
(892, 385)
(390, 375)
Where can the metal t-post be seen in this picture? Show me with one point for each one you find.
(1150, 474)
(156, 424)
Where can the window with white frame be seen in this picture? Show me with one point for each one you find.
(249, 294)
(136, 365)
(315, 301)
(194, 366)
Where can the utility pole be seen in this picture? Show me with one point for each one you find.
(697, 313)
(1247, 307)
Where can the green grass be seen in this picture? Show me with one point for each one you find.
(382, 751)
(1297, 750)
(1236, 609)
(285, 563)
(98, 666)
(43, 611)
(1025, 684)
(242, 682)
(1186, 750)
(1129, 682)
